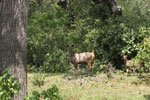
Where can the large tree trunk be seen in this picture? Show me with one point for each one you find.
(13, 29)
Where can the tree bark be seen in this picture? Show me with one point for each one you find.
(13, 29)
(113, 5)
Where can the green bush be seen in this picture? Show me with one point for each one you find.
(9, 86)
(46, 40)
(143, 55)
(49, 94)
(39, 80)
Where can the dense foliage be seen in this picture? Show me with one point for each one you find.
(9, 86)
(49, 94)
(50, 30)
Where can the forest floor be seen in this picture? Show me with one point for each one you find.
(95, 87)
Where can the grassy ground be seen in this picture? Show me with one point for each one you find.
(97, 87)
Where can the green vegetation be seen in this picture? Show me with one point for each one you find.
(50, 30)
(98, 87)
(9, 86)
(49, 94)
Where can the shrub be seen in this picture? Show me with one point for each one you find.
(39, 80)
(9, 86)
(46, 40)
(49, 94)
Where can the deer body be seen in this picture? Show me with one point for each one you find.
(129, 64)
(81, 58)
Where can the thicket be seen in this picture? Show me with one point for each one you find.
(50, 30)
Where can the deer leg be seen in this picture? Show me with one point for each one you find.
(127, 70)
(140, 72)
(90, 65)
(76, 66)
(130, 70)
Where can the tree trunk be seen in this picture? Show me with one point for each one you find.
(113, 6)
(13, 29)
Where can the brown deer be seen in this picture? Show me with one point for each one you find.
(80, 58)
(132, 63)
(128, 63)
